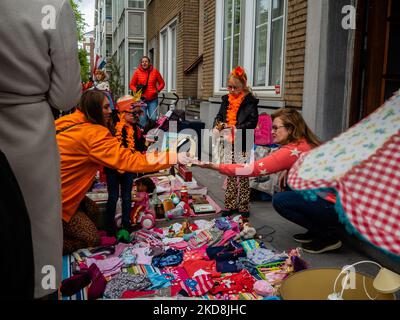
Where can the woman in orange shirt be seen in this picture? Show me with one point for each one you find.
(85, 145)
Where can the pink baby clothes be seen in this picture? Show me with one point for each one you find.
(108, 267)
(179, 245)
(143, 255)
(228, 235)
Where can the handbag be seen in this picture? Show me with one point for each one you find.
(143, 87)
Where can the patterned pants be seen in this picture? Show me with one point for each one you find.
(81, 232)
(236, 198)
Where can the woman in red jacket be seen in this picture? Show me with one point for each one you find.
(150, 82)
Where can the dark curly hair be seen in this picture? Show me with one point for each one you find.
(148, 183)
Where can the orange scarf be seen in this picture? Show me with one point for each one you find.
(130, 140)
(234, 105)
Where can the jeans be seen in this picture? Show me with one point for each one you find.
(115, 180)
(149, 112)
(318, 217)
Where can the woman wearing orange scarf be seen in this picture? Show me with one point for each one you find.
(239, 111)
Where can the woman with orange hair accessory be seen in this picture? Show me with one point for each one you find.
(239, 111)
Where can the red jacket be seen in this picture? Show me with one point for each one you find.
(140, 78)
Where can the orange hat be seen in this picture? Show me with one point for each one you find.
(125, 103)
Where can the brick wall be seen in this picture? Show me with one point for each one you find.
(159, 14)
(209, 46)
(295, 52)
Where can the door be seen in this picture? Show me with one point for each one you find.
(376, 73)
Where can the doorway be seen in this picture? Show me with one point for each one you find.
(376, 74)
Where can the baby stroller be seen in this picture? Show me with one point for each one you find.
(173, 114)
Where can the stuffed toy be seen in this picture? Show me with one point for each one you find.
(247, 232)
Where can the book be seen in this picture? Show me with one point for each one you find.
(203, 208)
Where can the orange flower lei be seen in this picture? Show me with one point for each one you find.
(234, 105)
(119, 127)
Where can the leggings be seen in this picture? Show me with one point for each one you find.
(81, 232)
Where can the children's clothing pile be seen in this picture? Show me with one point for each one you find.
(168, 262)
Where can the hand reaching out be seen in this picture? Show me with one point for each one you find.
(282, 180)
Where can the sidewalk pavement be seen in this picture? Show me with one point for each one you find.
(263, 214)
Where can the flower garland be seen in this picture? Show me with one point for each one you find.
(234, 105)
(119, 127)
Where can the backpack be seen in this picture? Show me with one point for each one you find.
(263, 132)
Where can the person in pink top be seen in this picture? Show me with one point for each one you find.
(319, 217)
(290, 131)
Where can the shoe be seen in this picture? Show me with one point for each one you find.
(304, 237)
(320, 246)
(229, 212)
(245, 215)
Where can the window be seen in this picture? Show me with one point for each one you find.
(232, 18)
(135, 52)
(136, 24)
(250, 33)
(108, 47)
(168, 53)
(136, 4)
(108, 9)
(268, 43)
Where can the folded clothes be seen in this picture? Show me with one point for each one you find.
(223, 224)
(200, 239)
(236, 283)
(125, 282)
(128, 257)
(171, 257)
(137, 294)
(192, 266)
(197, 286)
(229, 266)
(108, 267)
(160, 281)
(260, 256)
(179, 274)
(226, 237)
(216, 236)
(143, 255)
(233, 251)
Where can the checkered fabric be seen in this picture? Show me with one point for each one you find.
(369, 195)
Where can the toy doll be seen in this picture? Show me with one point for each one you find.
(141, 213)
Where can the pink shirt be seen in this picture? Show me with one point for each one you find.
(280, 160)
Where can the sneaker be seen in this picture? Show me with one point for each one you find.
(304, 237)
(320, 246)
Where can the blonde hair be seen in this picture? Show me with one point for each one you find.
(239, 74)
(297, 127)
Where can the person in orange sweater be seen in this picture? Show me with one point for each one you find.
(85, 145)
(149, 81)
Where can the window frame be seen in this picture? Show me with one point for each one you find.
(171, 67)
(247, 50)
